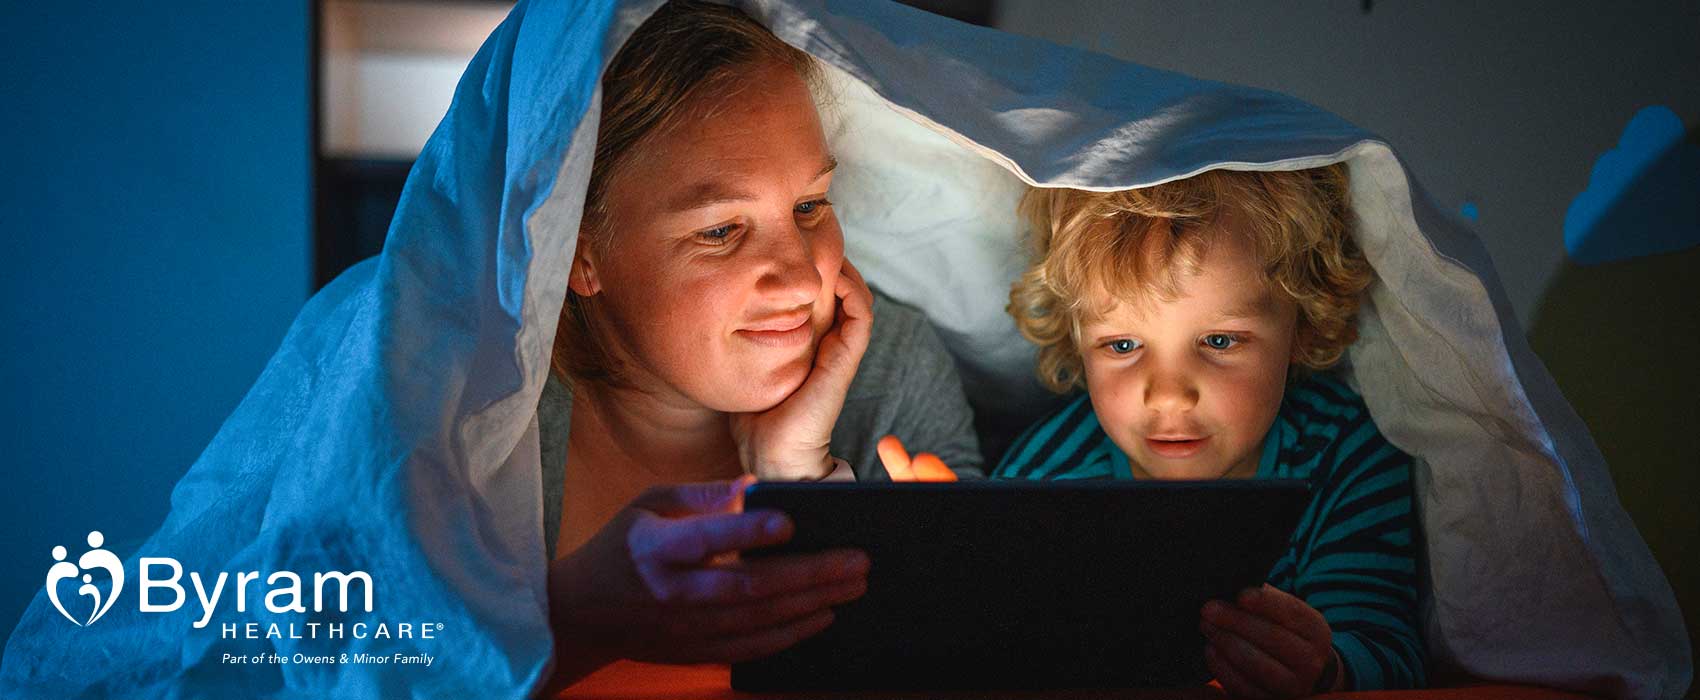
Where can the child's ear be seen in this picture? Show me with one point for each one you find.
(1298, 345)
(582, 279)
(1295, 369)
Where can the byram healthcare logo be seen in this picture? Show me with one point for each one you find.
(160, 589)
(95, 558)
(284, 597)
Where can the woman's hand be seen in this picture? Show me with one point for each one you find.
(789, 441)
(1269, 644)
(662, 582)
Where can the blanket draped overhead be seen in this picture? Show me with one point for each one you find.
(393, 432)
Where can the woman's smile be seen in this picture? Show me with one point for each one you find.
(780, 331)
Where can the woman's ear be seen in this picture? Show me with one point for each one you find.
(582, 280)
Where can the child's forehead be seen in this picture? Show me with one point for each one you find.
(1209, 302)
(1220, 276)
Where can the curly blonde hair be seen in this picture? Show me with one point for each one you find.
(1091, 249)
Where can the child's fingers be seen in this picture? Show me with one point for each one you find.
(1288, 611)
(928, 467)
(1253, 666)
(1284, 645)
(1230, 678)
(895, 458)
(901, 467)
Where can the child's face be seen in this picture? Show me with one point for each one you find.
(1189, 387)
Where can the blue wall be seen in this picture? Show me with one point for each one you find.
(154, 198)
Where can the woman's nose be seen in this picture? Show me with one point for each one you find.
(788, 275)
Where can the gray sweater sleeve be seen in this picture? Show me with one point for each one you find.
(907, 385)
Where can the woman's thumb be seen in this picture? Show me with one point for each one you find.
(678, 500)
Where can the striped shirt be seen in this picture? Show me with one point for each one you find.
(1352, 556)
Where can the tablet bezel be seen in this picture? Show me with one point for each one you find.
(1167, 545)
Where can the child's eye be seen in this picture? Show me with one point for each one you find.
(1122, 346)
(1220, 341)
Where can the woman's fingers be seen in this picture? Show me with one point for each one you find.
(755, 579)
(761, 643)
(646, 586)
(695, 539)
(928, 467)
(895, 458)
(858, 298)
(728, 620)
(786, 574)
(746, 580)
(694, 499)
(853, 325)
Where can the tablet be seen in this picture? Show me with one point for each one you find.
(1024, 584)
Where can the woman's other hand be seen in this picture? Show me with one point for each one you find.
(923, 467)
(789, 441)
(1269, 644)
(662, 582)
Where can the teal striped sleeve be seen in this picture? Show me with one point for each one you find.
(1068, 444)
(1355, 554)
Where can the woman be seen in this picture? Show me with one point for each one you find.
(714, 330)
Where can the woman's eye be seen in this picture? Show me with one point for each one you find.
(1122, 346)
(813, 206)
(1220, 341)
(718, 234)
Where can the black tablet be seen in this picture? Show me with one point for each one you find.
(1023, 584)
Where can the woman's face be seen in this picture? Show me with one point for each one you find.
(723, 253)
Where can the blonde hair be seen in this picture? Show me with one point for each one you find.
(686, 49)
(1091, 249)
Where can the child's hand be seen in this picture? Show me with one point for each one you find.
(924, 467)
(1269, 644)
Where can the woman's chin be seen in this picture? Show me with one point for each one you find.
(761, 388)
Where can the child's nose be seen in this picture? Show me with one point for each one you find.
(1170, 391)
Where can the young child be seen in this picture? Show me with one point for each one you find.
(1196, 315)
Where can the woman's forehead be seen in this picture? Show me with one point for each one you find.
(729, 185)
(764, 127)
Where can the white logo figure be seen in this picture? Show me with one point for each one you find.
(94, 558)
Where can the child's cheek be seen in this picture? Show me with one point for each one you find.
(1254, 400)
(1115, 399)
